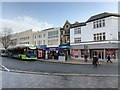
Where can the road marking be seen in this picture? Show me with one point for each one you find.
(64, 74)
(5, 68)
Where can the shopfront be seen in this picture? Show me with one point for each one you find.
(101, 50)
(52, 52)
(64, 49)
(41, 51)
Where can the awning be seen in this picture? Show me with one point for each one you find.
(64, 47)
(42, 47)
(52, 48)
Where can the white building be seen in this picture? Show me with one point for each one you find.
(25, 37)
(48, 41)
(97, 36)
(49, 37)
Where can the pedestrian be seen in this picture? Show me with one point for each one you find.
(86, 57)
(95, 61)
(109, 59)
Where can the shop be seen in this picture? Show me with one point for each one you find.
(101, 50)
(52, 52)
(65, 49)
(41, 51)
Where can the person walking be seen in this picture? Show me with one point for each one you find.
(85, 57)
(95, 61)
(109, 59)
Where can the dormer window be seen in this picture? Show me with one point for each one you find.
(99, 23)
(67, 26)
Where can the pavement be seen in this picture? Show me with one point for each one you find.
(76, 61)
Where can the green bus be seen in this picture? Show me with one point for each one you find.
(25, 52)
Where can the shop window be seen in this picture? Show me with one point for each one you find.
(75, 53)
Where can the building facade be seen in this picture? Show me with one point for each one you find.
(48, 41)
(65, 39)
(49, 37)
(99, 36)
(25, 37)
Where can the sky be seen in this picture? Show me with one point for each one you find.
(21, 16)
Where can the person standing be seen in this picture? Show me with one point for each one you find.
(109, 59)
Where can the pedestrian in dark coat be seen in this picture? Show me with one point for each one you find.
(86, 56)
(95, 61)
(108, 59)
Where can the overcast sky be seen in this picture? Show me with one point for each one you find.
(21, 16)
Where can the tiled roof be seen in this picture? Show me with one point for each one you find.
(102, 15)
(77, 24)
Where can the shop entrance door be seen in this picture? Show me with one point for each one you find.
(100, 55)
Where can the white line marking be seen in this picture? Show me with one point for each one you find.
(5, 68)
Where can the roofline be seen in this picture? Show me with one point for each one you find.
(98, 17)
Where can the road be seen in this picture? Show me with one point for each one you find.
(22, 80)
(72, 77)
(37, 66)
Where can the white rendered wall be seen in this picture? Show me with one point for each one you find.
(87, 32)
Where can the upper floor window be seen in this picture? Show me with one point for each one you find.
(61, 32)
(24, 38)
(40, 42)
(44, 42)
(53, 42)
(67, 31)
(40, 36)
(99, 36)
(35, 36)
(44, 35)
(77, 30)
(119, 36)
(99, 23)
(77, 40)
(53, 34)
(103, 22)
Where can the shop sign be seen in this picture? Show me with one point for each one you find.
(55, 48)
(42, 47)
(85, 46)
(64, 47)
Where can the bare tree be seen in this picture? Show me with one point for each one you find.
(6, 37)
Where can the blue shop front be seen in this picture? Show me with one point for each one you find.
(52, 52)
(64, 49)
